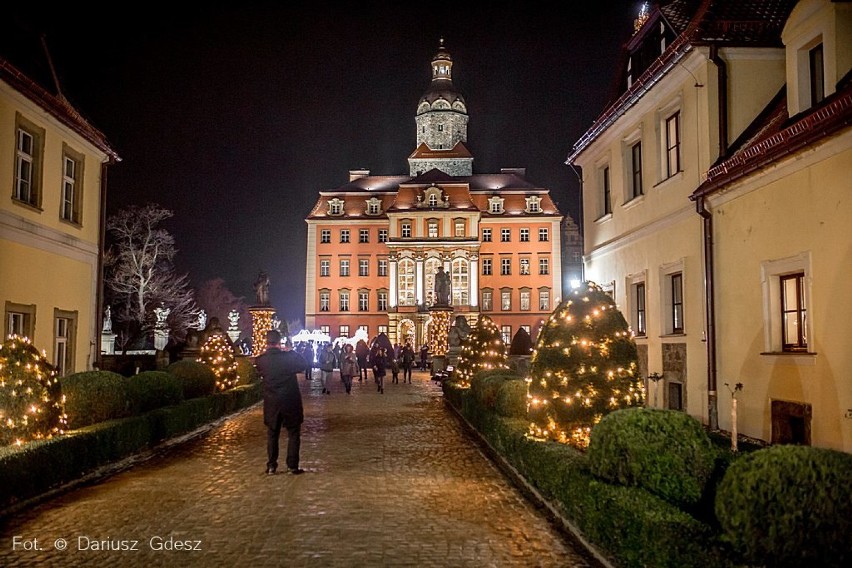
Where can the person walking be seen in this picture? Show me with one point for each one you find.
(349, 367)
(424, 353)
(379, 365)
(407, 361)
(282, 401)
(393, 362)
(362, 352)
(309, 359)
(326, 366)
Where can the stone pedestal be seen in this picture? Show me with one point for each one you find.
(108, 343)
(261, 322)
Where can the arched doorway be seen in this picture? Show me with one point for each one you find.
(407, 332)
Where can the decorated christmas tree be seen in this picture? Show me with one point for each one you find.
(483, 348)
(31, 403)
(584, 366)
(218, 354)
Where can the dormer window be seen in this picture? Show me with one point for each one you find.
(816, 74)
(533, 204)
(495, 205)
(433, 197)
(374, 206)
(335, 206)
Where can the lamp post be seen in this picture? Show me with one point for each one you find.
(737, 388)
(656, 377)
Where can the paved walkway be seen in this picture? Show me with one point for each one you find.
(392, 480)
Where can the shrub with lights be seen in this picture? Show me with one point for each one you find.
(584, 367)
(482, 349)
(218, 354)
(31, 404)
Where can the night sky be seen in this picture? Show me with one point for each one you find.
(234, 117)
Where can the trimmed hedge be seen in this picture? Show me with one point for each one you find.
(486, 385)
(94, 396)
(632, 526)
(153, 389)
(663, 451)
(37, 467)
(198, 379)
(789, 506)
(246, 370)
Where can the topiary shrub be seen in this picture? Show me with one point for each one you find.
(665, 452)
(512, 398)
(31, 405)
(198, 379)
(246, 370)
(483, 349)
(485, 385)
(153, 389)
(522, 343)
(94, 396)
(218, 354)
(585, 366)
(789, 506)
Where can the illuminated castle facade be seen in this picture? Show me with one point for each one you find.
(375, 244)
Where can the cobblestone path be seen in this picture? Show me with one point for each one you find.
(392, 480)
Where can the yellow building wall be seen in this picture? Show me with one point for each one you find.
(805, 211)
(752, 82)
(51, 281)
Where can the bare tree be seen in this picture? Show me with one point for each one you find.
(215, 298)
(141, 275)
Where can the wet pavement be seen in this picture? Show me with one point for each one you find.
(392, 480)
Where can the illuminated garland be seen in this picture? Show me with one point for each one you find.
(482, 349)
(32, 406)
(218, 354)
(261, 322)
(439, 329)
(585, 365)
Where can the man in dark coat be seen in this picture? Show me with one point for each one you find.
(282, 401)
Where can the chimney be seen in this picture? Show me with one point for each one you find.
(358, 174)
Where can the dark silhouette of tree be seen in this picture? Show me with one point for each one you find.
(140, 275)
(217, 300)
(521, 343)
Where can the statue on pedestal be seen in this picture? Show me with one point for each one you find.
(442, 287)
(261, 289)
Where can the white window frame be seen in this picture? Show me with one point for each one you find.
(487, 303)
(363, 267)
(382, 269)
(505, 235)
(325, 236)
(344, 267)
(363, 236)
(383, 235)
(543, 234)
(505, 300)
(506, 333)
(324, 301)
(495, 205)
(487, 267)
(543, 266)
(325, 267)
(505, 266)
(486, 234)
(343, 299)
(344, 235)
(526, 299)
(382, 300)
(667, 315)
(544, 299)
(524, 235)
(343, 331)
(363, 301)
(771, 272)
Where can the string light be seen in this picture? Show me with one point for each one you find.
(31, 403)
(261, 322)
(218, 354)
(582, 381)
(482, 349)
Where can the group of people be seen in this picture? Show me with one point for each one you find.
(279, 366)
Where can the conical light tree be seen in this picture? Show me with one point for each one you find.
(218, 354)
(31, 403)
(483, 348)
(584, 366)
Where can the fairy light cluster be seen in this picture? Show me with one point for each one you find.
(439, 329)
(584, 366)
(31, 403)
(482, 349)
(261, 322)
(218, 354)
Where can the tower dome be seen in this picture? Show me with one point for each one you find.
(441, 112)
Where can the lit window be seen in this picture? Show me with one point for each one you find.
(405, 282)
(459, 226)
(544, 300)
(363, 267)
(675, 304)
(383, 329)
(432, 229)
(363, 301)
(506, 333)
(325, 236)
(344, 301)
(325, 301)
(459, 279)
(344, 331)
(525, 266)
(344, 267)
(793, 313)
(487, 301)
(325, 329)
(365, 329)
(506, 300)
(525, 300)
(383, 301)
(639, 324)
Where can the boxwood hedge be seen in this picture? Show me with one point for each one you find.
(94, 396)
(198, 379)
